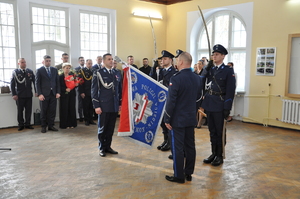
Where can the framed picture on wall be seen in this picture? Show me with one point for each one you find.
(265, 61)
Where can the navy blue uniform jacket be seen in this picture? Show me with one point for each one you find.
(22, 90)
(44, 84)
(225, 78)
(107, 99)
(184, 89)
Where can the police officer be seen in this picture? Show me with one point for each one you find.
(167, 72)
(106, 101)
(21, 89)
(85, 92)
(179, 117)
(218, 101)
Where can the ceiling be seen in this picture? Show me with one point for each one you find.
(165, 2)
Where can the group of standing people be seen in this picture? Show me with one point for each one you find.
(185, 89)
(99, 89)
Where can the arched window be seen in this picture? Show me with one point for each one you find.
(228, 29)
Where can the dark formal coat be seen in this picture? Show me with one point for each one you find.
(183, 92)
(221, 89)
(108, 99)
(20, 87)
(43, 85)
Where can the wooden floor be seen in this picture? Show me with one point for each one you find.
(262, 162)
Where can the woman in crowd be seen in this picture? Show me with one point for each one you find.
(67, 110)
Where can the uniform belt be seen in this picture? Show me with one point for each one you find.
(211, 92)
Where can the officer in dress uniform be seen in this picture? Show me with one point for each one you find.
(85, 92)
(218, 101)
(106, 97)
(166, 73)
(21, 89)
(179, 117)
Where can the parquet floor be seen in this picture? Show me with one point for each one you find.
(261, 162)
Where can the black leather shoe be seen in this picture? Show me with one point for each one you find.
(52, 128)
(20, 128)
(162, 144)
(174, 179)
(87, 123)
(217, 161)
(166, 147)
(102, 153)
(110, 150)
(29, 127)
(170, 157)
(209, 159)
(81, 120)
(43, 130)
(92, 122)
(188, 177)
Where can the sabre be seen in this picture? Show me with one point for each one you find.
(208, 42)
(154, 38)
(224, 137)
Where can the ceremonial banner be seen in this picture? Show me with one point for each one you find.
(143, 102)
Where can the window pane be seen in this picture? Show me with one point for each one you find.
(239, 33)
(93, 34)
(7, 41)
(39, 54)
(221, 30)
(239, 60)
(49, 24)
(203, 38)
(57, 57)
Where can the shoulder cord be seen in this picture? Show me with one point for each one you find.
(105, 85)
(20, 81)
(85, 76)
(214, 78)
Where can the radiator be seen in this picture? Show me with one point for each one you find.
(290, 111)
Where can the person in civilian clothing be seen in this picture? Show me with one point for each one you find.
(48, 89)
(67, 110)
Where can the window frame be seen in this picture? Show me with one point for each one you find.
(16, 29)
(108, 31)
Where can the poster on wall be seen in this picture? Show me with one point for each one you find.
(265, 61)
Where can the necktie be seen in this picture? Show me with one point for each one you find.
(109, 71)
(23, 71)
(48, 71)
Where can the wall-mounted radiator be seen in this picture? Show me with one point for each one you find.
(291, 111)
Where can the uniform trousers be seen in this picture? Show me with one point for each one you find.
(24, 103)
(106, 127)
(48, 110)
(215, 126)
(88, 109)
(79, 107)
(183, 144)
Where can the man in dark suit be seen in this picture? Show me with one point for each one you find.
(179, 117)
(85, 92)
(146, 68)
(48, 89)
(130, 61)
(167, 72)
(98, 64)
(21, 90)
(218, 101)
(65, 59)
(106, 101)
(79, 98)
